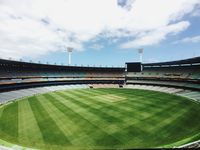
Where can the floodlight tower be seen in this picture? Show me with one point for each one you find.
(140, 51)
(69, 50)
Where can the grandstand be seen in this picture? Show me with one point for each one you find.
(15, 75)
(183, 73)
(181, 77)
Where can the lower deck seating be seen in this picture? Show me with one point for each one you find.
(17, 94)
(195, 95)
(166, 83)
(13, 95)
(190, 94)
(193, 145)
(170, 90)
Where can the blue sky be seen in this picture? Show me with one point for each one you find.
(102, 32)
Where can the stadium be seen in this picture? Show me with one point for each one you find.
(99, 74)
(49, 106)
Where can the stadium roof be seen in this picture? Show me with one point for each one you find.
(190, 61)
(50, 66)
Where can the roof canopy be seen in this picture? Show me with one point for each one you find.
(190, 61)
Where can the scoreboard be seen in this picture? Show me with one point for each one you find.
(134, 67)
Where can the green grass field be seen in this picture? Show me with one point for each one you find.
(100, 118)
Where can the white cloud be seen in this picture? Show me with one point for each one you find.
(194, 39)
(156, 36)
(36, 27)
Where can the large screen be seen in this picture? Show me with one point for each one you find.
(134, 67)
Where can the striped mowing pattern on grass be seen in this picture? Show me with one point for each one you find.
(66, 124)
(9, 122)
(82, 118)
(28, 127)
(50, 131)
(86, 124)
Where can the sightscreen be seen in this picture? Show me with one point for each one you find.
(134, 67)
